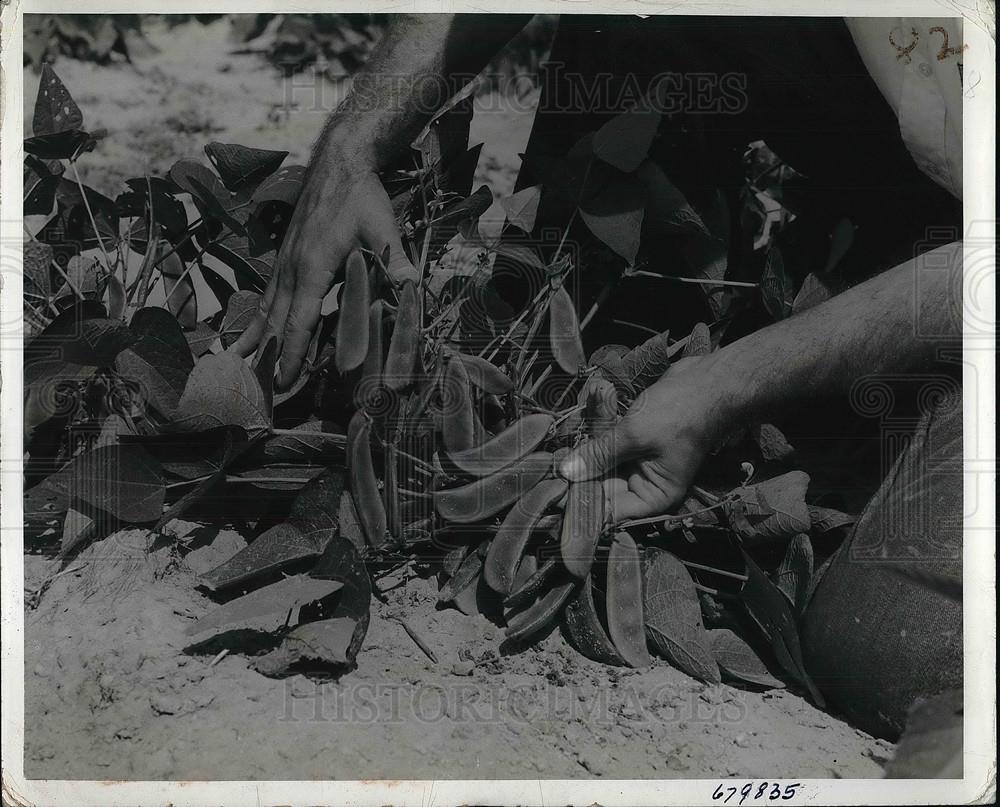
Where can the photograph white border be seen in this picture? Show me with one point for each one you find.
(979, 783)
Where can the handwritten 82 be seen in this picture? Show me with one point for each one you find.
(770, 791)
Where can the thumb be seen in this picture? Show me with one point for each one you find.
(599, 456)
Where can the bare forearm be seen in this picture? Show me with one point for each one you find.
(415, 69)
(877, 326)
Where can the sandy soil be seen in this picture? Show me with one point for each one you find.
(112, 691)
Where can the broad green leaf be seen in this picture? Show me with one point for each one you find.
(824, 519)
(59, 145)
(768, 607)
(264, 604)
(673, 617)
(55, 109)
(776, 286)
(123, 480)
(240, 166)
(201, 339)
(284, 185)
(180, 295)
(773, 445)
(615, 215)
(272, 550)
(252, 273)
(38, 269)
(522, 207)
(317, 505)
(812, 292)
(75, 343)
(794, 574)
(222, 390)
(240, 312)
(624, 140)
(645, 364)
(234, 442)
(313, 441)
(77, 528)
(160, 361)
(773, 509)
(665, 204)
(737, 660)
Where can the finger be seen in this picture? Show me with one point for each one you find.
(250, 338)
(600, 455)
(625, 504)
(381, 230)
(303, 318)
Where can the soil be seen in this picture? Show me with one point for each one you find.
(114, 692)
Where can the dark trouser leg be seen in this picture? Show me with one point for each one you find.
(874, 639)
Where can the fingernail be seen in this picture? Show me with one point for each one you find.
(572, 468)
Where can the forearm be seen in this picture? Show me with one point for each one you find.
(874, 327)
(411, 74)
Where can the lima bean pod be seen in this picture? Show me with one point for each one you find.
(390, 492)
(485, 375)
(458, 427)
(582, 526)
(507, 546)
(404, 345)
(488, 496)
(352, 325)
(464, 577)
(541, 614)
(507, 447)
(585, 630)
(372, 369)
(528, 590)
(564, 332)
(626, 622)
(364, 487)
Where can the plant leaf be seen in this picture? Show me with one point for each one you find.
(181, 298)
(240, 311)
(55, 109)
(313, 441)
(645, 364)
(773, 445)
(201, 339)
(329, 641)
(76, 342)
(824, 519)
(812, 292)
(615, 215)
(316, 508)
(624, 140)
(58, 145)
(38, 259)
(673, 617)
(276, 599)
(160, 361)
(665, 204)
(768, 607)
(522, 207)
(794, 574)
(272, 550)
(251, 273)
(737, 660)
(123, 480)
(773, 509)
(284, 185)
(242, 166)
(776, 286)
(222, 390)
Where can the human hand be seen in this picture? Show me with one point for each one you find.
(654, 451)
(342, 206)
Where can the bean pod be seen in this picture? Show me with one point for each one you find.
(626, 621)
(507, 447)
(488, 496)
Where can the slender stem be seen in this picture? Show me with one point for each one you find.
(635, 325)
(90, 213)
(538, 382)
(677, 517)
(698, 280)
(601, 298)
(713, 570)
(572, 410)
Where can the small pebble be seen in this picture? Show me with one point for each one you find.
(463, 668)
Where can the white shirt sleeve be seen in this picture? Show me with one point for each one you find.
(917, 65)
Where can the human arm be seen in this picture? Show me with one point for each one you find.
(874, 327)
(342, 204)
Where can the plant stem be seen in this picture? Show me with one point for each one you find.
(90, 213)
(333, 437)
(713, 570)
(699, 281)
